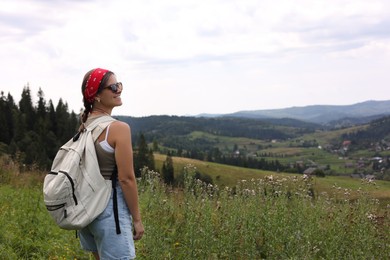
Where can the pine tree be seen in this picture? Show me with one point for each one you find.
(26, 108)
(151, 164)
(155, 146)
(52, 118)
(64, 130)
(10, 113)
(168, 170)
(41, 109)
(141, 158)
(4, 131)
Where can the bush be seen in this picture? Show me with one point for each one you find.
(319, 173)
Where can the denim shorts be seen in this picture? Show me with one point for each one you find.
(100, 236)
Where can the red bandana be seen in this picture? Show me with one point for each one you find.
(93, 83)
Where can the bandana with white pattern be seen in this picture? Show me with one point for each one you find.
(93, 83)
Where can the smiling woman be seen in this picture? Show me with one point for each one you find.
(101, 93)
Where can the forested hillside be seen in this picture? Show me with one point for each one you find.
(166, 127)
(378, 131)
(31, 133)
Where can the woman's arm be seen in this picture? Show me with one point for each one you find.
(120, 138)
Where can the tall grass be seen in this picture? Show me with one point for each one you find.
(273, 218)
(26, 229)
(269, 218)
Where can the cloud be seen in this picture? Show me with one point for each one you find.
(258, 53)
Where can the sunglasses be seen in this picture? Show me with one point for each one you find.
(115, 87)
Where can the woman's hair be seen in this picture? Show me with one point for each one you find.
(87, 105)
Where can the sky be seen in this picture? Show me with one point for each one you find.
(188, 57)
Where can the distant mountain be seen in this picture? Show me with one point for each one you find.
(321, 114)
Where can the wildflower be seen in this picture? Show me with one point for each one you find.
(371, 216)
(218, 205)
(375, 201)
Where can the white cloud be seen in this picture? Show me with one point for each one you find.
(189, 57)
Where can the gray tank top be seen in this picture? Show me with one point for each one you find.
(106, 159)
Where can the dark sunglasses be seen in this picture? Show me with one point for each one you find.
(115, 87)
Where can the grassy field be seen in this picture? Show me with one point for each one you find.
(270, 218)
(225, 175)
(246, 214)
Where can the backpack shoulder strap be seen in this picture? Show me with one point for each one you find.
(98, 126)
(103, 121)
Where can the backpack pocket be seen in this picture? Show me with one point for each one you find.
(55, 207)
(58, 212)
(59, 195)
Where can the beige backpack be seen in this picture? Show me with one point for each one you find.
(74, 191)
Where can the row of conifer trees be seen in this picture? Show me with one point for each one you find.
(32, 132)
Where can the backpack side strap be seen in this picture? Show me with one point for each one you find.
(114, 178)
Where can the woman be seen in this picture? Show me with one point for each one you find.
(101, 93)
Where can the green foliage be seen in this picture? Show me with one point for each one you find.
(206, 139)
(28, 232)
(33, 134)
(187, 175)
(167, 129)
(376, 131)
(273, 218)
(143, 156)
(168, 172)
(319, 173)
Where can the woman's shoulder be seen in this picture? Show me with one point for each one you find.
(119, 132)
(119, 126)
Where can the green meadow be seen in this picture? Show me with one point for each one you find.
(225, 175)
(245, 214)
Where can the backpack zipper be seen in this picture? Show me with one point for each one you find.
(72, 184)
(55, 207)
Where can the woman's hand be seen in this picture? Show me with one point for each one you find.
(138, 230)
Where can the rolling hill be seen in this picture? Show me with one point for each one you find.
(321, 114)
